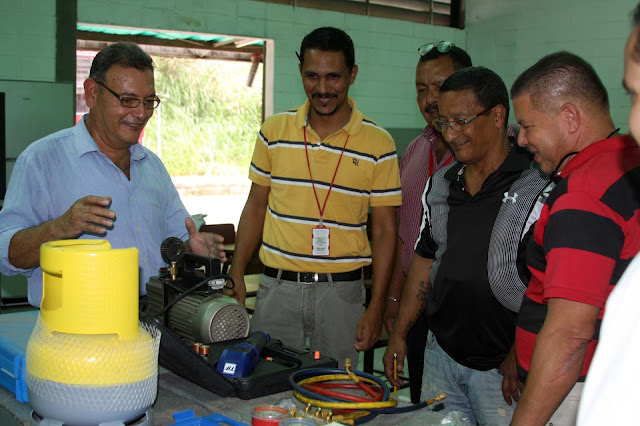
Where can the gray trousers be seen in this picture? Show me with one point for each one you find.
(326, 313)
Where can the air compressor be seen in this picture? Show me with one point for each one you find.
(187, 296)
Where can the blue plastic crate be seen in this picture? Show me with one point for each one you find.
(188, 417)
(15, 330)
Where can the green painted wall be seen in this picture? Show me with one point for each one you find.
(505, 35)
(511, 35)
(28, 40)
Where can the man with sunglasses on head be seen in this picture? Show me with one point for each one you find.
(95, 181)
(425, 155)
(464, 269)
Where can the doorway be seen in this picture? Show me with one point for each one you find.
(216, 90)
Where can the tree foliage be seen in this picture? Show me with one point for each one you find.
(208, 119)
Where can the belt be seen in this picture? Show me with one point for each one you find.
(313, 277)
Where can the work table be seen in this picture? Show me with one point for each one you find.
(177, 394)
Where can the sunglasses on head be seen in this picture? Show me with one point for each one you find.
(442, 46)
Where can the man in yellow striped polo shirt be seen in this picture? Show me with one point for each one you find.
(316, 170)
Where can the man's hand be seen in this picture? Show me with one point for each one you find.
(369, 329)
(390, 314)
(89, 214)
(240, 289)
(397, 345)
(204, 243)
(511, 384)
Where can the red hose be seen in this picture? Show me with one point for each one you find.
(325, 389)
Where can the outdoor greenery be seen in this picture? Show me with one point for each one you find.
(208, 119)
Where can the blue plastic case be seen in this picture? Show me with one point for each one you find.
(15, 331)
(188, 417)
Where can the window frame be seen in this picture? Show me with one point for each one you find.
(446, 13)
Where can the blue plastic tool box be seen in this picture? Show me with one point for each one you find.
(15, 330)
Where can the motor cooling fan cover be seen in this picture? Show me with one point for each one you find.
(209, 319)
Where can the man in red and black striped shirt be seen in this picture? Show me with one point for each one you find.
(587, 233)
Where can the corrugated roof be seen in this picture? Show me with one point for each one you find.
(168, 35)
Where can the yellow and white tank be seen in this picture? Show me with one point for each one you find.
(89, 360)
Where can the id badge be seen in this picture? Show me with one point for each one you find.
(320, 241)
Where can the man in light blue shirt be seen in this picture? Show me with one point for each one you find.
(95, 181)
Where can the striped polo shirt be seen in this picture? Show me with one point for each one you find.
(367, 176)
(587, 234)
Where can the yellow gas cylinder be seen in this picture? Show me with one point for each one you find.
(89, 361)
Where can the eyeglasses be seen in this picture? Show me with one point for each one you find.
(149, 103)
(442, 46)
(459, 124)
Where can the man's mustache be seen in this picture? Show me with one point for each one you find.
(432, 107)
(324, 95)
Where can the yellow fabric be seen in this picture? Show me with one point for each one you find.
(367, 176)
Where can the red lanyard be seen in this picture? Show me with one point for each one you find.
(434, 162)
(306, 151)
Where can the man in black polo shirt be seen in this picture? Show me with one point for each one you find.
(464, 272)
